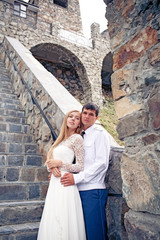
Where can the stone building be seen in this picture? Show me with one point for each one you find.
(134, 29)
(52, 31)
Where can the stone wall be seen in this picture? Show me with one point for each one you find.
(58, 30)
(135, 33)
(67, 77)
(116, 204)
(67, 18)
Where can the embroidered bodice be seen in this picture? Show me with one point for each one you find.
(67, 150)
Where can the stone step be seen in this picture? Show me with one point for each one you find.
(14, 128)
(13, 113)
(4, 75)
(4, 99)
(3, 70)
(6, 84)
(6, 90)
(20, 160)
(2, 65)
(15, 106)
(10, 119)
(16, 137)
(18, 148)
(20, 212)
(8, 95)
(26, 231)
(23, 174)
(31, 188)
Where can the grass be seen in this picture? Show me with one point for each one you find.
(108, 118)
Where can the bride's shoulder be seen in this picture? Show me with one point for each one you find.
(76, 136)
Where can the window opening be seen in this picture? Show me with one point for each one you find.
(62, 3)
(20, 9)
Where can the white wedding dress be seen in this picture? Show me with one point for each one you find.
(62, 217)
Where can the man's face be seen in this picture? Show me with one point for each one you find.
(88, 118)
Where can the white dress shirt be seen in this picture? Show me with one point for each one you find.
(96, 159)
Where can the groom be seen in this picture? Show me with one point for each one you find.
(90, 181)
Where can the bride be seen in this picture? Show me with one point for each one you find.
(62, 217)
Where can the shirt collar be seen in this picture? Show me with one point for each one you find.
(88, 130)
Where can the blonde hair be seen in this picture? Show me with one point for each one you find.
(63, 135)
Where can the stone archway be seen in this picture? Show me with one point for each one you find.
(66, 67)
(134, 32)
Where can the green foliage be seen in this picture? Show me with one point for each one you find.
(108, 119)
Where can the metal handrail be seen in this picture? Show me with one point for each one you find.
(54, 135)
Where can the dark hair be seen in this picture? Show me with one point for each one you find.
(91, 106)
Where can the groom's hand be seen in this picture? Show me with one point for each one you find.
(49, 176)
(67, 179)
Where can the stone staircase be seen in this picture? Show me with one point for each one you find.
(23, 179)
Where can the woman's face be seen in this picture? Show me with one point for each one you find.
(73, 120)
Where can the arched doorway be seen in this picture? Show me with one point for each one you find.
(66, 67)
(107, 70)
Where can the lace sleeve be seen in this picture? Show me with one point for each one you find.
(78, 148)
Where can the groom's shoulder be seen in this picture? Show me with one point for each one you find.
(98, 127)
(101, 131)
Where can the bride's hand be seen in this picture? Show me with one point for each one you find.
(51, 163)
(56, 172)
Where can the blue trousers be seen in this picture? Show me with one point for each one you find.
(93, 203)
